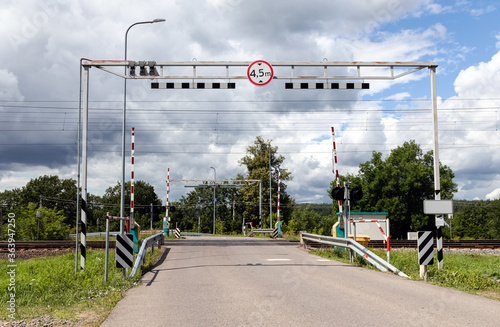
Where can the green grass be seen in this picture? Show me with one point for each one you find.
(50, 285)
(472, 273)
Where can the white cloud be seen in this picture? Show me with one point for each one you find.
(479, 81)
(399, 96)
(9, 87)
(482, 11)
(469, 123)
(494, 195)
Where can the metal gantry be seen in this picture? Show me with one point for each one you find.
(227, 71)
(228, 183)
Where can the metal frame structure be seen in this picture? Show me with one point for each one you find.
(228, 183)
(297, 70)
(359, 70)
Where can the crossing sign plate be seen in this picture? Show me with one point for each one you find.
(260, 72)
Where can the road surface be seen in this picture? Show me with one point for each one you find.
(224, 281)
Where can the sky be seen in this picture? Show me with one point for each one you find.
(189, 131)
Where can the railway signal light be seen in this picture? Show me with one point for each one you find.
(356, 194)
(338, 193)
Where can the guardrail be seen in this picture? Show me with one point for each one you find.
(195, 234)
(371, 257)
(141, 256)
(260, 230)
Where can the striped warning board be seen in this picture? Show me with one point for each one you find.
(124, 248)
(192, 85)
(332, 86)
(425, 248)
(177, 233)
(275, 233)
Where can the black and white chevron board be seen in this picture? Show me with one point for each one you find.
(177, 233)
(425, 252)
(425, 248)
(275, 233)
(124, 251)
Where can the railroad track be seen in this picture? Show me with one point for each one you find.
(412, 244)
(447, 244)
(54, 244)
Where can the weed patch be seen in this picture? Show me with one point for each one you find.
(50, 286)
(476, 274)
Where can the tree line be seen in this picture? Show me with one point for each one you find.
(397, 184)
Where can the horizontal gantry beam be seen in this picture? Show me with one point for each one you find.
(232, 70)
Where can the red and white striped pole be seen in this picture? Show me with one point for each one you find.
(130, 223)
(334, 167)
(279, 188)
(168, 190)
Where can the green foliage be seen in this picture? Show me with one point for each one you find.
(47, 285)
(477, 220)
(306, 219)
(399, 185)
(465, 272)
(51, 190)
(50, 227)
(144, 195)
(257, 161)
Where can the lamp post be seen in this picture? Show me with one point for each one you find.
(122, 197)
(215, 183)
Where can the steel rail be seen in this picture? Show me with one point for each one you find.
(448, 244)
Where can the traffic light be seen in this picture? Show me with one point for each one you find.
(356, 194)
(172, 209)
(338, 193)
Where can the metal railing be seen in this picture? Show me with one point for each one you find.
(260, 230)
(348, 243)
(141, 256)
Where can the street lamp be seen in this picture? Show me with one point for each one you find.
(122, 198)
(215, 183)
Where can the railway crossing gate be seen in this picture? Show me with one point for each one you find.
(223, 74)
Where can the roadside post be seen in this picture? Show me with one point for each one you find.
(121, 254)
(439, 208)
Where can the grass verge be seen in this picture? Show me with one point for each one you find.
(472, 273)
(50, 286)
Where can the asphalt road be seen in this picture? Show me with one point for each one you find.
(219, 281)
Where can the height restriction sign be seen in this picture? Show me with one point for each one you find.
(260, 72)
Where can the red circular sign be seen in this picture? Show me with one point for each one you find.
(260, 72)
